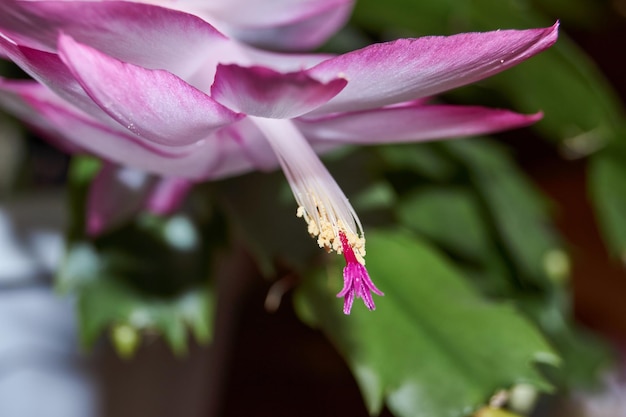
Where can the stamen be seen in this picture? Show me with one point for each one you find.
(327, 233)
(321, 203)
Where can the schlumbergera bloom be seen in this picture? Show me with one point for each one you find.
(165, 92)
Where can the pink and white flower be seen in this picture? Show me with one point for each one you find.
(165, 92)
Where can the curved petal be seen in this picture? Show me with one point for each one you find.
(48, 69)
(302, 32)
(252, 149)
(263, 92)
(254, 13)
(167, 195)
(153, 104)
(413, 123)
(233, 150)
(85, 127)
(142, 34)
(277, 24)
(42, 108)
(407, 69)
(283, 62)
(115, 196)
(119, 193)
(249, 56)
(11, 101)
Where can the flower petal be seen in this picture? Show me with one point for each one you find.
(12, 102)
(301, 32)
(153, 104)
(48, 69)
(283, 62)
(263, 92)
(407, 69)
(141, 34)
(254, 13)
(233, 150)
(412, 123)
(39, 106)
(167, 195)
(252, 147)
(115, 196)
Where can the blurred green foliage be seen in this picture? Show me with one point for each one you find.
(434, 347)
(139, 279)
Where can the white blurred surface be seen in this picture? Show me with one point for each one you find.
(31, 237)
(42, 372)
